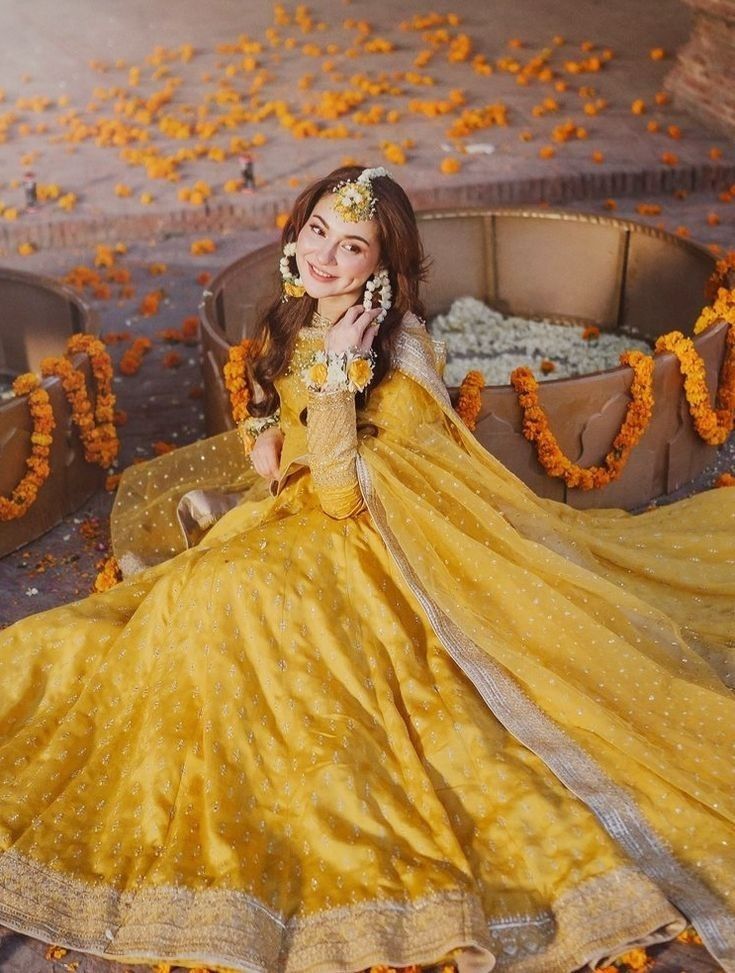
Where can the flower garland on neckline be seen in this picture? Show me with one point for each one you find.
(42, 414)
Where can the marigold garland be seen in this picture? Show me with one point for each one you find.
(469, 402)
(37, 464)
(236, 383)
(637, 416)
(96, 425)
(714, 425)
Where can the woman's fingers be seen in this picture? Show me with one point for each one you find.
(368, 337)
(355, 328)
(266, 455)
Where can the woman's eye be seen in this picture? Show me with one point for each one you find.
(316, 228)
(351, 247)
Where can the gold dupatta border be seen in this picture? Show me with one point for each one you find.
(221, 928)
(614, 806)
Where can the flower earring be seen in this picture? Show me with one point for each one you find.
(379, 282)
(293, 286)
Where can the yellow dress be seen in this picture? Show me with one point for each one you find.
(393, 708)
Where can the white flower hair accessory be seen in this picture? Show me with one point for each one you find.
(379, 282)
(293, 286)
(356, 200)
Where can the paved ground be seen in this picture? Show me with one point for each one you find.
(53, 51)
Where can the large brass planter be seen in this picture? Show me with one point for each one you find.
(38, 316)
(566, 267)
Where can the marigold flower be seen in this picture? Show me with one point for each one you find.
(648, 209)
(638, 107)
(673, 131)
(104, 256)
(657, 53)
(591, 332)
(393, 153)
(67, 202)
(715, 153)
(204, 246)
(109, 575)
(713, 219)
(123, 190)
(669, 158)
(610, 204)
(450, 165)
(156, 269)
(653, 126)
(172, 359)
(160, 447)
(26, 249)
(598, 156)
(55, 952)
(133, 357)
(635, 959)
(149, 305)
(547, 152)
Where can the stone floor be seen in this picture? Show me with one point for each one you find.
(54, 53)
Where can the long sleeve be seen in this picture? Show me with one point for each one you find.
(332, 444)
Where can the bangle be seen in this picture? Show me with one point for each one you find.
(328, 371)
(253, 426)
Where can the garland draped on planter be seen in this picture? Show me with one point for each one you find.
(236, 383)
(714, 425)
(96, 427)
(550, 455)
(42, 414)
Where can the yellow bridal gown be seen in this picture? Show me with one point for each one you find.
(391, 709)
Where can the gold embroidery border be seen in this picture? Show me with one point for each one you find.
(614, 807)
(601, 918)
(227, 928)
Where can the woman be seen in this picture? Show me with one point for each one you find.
(372, 701)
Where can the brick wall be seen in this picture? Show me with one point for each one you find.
(703, 80)
(260, 211)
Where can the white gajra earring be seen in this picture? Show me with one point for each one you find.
(379, 282)
(293, 286)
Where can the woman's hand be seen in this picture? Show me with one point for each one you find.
(355, 329)
(266, 453)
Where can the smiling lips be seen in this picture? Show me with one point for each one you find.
(318, 274)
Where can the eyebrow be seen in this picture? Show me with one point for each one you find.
(350, 236)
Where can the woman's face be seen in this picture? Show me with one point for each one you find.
(334, 257)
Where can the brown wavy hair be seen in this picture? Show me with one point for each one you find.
(401, 253)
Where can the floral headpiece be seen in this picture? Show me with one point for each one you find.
(356, 200)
